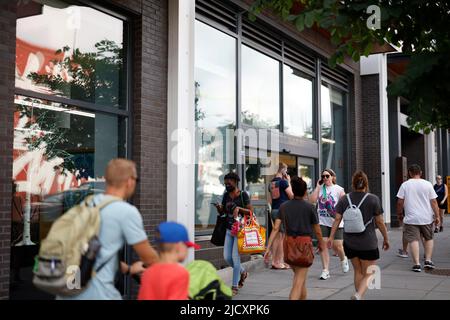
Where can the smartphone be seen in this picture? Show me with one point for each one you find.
(321, 181)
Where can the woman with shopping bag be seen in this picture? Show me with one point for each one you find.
(235, 205)
(300, 220)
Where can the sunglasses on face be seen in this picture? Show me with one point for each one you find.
(325, 176)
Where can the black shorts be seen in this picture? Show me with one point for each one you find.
(442, 206)
(369, 255)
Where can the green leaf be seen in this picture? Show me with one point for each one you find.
(355, 56)
(309, 19)
(292, 17)
(368, 49)
(326, 23)
(328, 3)
(335, 39)
(300, 22)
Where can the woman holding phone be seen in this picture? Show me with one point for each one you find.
(327, 194)
(235, 203)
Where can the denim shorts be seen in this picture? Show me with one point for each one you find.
(275, 214)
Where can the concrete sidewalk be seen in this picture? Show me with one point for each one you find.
(397, 279)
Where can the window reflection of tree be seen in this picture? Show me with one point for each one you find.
(211, 146)
(255, 120)
(92, 76)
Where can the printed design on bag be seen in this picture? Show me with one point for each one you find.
(252, 239)
(326, 206)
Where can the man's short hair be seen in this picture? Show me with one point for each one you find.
(119, 171)
(166, 247)
(415, 170)
(232, 176)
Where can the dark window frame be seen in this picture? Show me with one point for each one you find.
(125, 114)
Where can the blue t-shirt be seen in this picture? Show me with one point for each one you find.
(282, 185)
(120, 223)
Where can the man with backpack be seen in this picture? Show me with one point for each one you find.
(280, 191)
(119, 223)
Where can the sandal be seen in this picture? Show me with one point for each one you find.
(234, 291)
(244, 276)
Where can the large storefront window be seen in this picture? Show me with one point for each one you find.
(297, 103)
(260, 89)
(215, 114)
(71, 51)
(69, 65)
(333, 132)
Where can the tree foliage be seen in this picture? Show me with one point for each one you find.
(419, 27)
(94, 77)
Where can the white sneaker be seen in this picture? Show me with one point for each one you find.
(355, 296)
(324, 275)
(345, 266)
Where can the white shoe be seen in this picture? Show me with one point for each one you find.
(324, 275)
(345, 266)
(355, 296)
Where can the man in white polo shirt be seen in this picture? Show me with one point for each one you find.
(418, 199)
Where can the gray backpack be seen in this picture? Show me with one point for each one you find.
(353, 218)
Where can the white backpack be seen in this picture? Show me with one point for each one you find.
(353, 218)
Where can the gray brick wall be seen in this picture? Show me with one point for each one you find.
(356, 124)
(371, 143)
(150, 112)
(7, 56)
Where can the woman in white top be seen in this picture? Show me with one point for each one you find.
(327, 195)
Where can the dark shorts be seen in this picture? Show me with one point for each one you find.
(275, 214)
(414, 232)
(339, 235)
(369, 255)
(442, 206)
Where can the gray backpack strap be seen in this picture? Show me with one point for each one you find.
(368, 222)
(371, 219)
(350, 204)
(107, 202)
(88, 201)
(364, 198)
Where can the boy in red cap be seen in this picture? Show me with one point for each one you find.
(167, 279)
